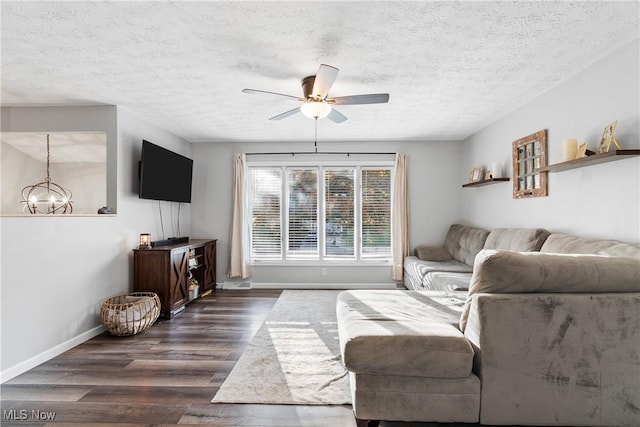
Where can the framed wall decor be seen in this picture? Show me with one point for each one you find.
(528, 155)
(608, 137)
(582, 151)
(477, 174)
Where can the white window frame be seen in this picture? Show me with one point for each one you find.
(321, 259)
(287, 254)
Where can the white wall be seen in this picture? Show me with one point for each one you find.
(600, 201)
(434, 169)
(86, 181)
(16, 170)
(144, 215)
(56, 271)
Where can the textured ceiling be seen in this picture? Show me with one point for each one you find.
(64, 146)
(451, 68)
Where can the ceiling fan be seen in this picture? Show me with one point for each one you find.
(316, 103)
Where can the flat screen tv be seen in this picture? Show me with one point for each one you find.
(164, 175)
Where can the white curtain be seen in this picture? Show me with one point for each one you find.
(239, 263)
(399, 217)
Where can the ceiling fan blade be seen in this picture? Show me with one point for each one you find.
(325, 77)
(271, 93)
(336, 116)
(372, 98)
(286, 114)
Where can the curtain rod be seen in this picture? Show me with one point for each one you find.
(294, 153)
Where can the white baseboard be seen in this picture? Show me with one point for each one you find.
(337, 286)
(235, 285)
(36, 360)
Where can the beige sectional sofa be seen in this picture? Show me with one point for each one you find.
(449, 267)
(540, 338)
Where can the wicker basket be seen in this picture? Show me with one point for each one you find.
(131, 313)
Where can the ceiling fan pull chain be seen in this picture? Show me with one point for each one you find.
(315, 140)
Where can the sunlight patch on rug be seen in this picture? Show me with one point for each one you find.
(294, 358)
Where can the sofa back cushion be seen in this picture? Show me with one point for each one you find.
(463, 242)
(521, 272)
(516, 239)
(567, 244)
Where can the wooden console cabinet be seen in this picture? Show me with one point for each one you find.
(165, 271)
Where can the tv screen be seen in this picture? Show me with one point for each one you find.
(164, 175)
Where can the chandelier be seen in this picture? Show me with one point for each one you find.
(46, 197)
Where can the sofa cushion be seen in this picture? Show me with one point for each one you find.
(567, 244)
(424, 267)
(520, 272)
(416, 270)
(412, 277)
(446, 281)
(516, 239)
(464, 242)
(431, 253)
(404, 333)
(402, 398)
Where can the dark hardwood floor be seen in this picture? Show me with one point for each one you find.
(164, 376)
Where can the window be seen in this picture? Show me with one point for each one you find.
(376, 212)
(320, 213)
(302, 220)
(266, 226)
(339, 196)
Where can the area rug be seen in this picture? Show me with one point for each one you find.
(294, 358)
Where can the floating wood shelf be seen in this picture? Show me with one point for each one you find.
(485, 182)
(590, 160)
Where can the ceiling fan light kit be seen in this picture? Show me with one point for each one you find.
(315, 109)
(316, 103)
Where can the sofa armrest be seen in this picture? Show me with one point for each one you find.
(575, 355)
(516, 272)
(431, 253)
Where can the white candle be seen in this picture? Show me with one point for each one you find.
(569, 149)
(496, 171)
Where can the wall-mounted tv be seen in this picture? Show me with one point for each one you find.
(164, 175)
